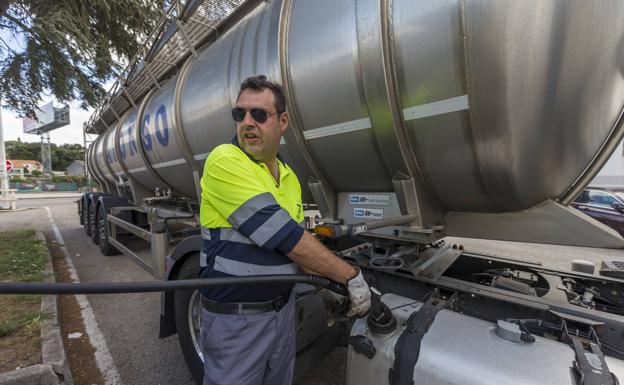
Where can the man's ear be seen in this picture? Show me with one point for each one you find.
(283, 121)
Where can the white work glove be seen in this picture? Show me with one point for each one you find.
(359, 295)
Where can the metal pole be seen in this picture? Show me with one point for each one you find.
(86, 168)
(3, 172)
(6, 202)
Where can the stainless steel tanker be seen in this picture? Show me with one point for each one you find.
(451, 106)
(409, 121)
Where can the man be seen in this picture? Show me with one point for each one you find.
(250, 214)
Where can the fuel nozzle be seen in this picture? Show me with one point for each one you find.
(380, 318)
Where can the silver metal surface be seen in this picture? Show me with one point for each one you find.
(475, 355)
(458, 103)
(340, 128)
(459, 349)
(92, 164)
(166, 152)
(102, 162)
(131, 254)
(544, 96)
(159, 246)
(475, 106)
(319, 188)
(136, 162)
(549, 222)
(136, 230)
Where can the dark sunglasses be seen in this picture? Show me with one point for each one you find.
(258, 114)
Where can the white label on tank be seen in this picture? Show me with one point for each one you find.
(361, 212)
(368, 199)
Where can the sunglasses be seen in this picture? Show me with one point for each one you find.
(258, 114)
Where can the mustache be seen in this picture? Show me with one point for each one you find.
(249, 132)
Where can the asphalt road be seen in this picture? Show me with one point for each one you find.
(130, 322)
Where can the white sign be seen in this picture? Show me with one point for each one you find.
(369, 199)
(361, 212)
(29, 125)
(45, 115)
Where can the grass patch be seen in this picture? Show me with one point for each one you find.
(22, 259)
(30, 322)
(22, 256)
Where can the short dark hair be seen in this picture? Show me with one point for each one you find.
(260, 83)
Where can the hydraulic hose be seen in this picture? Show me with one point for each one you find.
(144, 287)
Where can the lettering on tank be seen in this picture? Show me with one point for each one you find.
(161, 124)
(127, 137)
(110, 156)
(122, 144)
(161, 129)
(146, 138)
(132, 142)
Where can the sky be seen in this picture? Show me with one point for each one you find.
(12, 126)
(12, 123)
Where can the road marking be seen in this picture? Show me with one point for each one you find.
(103, 359)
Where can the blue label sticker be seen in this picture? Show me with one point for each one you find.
(370, 199)
(368, 213)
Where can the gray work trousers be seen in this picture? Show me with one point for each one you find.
(249, 349)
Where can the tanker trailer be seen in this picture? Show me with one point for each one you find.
(410, 121)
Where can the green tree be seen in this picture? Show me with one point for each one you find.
(67, 47)
(22, 150)
(62, 155)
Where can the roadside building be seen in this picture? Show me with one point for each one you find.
(21, 166)
(612, 174)
(76, 168)
(16, 172)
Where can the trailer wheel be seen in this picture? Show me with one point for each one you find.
(102, 232)
(93, 228)
(84, 220)
(188, 319)
(81, 210)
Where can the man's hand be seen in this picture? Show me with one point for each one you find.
(359, 294)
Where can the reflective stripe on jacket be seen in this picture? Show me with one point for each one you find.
(249, 223)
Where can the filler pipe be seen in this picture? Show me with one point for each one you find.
(144, 287)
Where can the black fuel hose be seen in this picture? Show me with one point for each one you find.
(144, 287)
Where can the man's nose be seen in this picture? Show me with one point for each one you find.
(248, 120)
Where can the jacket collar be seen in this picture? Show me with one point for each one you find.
(235, 142)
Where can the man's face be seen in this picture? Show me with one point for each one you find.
(260, 140)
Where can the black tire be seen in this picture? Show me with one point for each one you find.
(81, 210)
(102, 231)
(84, 220)
(187, 306)
(93, 230)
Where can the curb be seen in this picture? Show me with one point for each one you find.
(17, 209)
(47, 196)
(54, 367)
